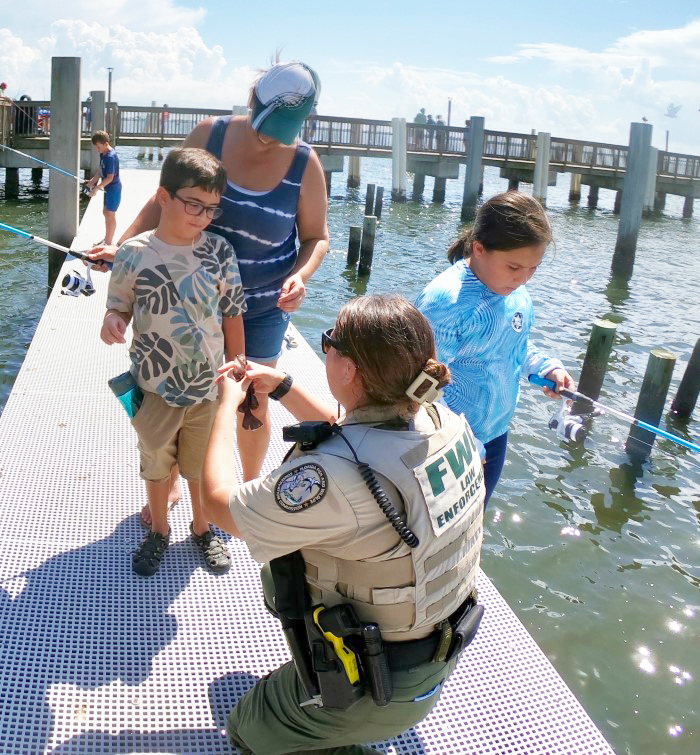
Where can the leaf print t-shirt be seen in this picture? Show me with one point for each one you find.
(177, 296)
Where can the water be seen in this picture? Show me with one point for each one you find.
(599, 559)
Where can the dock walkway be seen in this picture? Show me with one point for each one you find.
(98, 660)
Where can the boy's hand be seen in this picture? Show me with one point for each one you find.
(293, 293)
(113, 329)
(264, 378)
(563, 380)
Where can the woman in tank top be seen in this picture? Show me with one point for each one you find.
(275, 209)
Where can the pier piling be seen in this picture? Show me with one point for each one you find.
(378, 202)
(418, 186)
(354, 245)
(353, 172)
(398, 159)
(689, 389)
(575, 187)
(11, 183)
(473, 177)
(541, 177)
(650, 405)
(367, 246)
(369, 198)
(64, 151)
(595, 363)
(633, 192)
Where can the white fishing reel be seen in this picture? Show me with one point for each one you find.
(73, 284)
(567, 426)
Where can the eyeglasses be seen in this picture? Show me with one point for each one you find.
(196, 209)
(327, 341)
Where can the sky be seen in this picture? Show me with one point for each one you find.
(580, 71)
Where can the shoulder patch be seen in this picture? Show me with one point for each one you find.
(517, 322)
(301, 487)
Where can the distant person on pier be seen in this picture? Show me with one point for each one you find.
(441, 130)
(276, 192)
(482, 314)
(181, 288)
(465, 136)
(429, 131)
(420, 120)
(107, 179)
(3, 87)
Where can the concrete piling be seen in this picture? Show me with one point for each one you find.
(541, 176)
(575, 187)
(353, 172)
(688, 206)
(650, 405)
(418, 186)
(473, 177)
(689, 389)
(439, 190)
(367, 246)
(634, 188)
(398, 159)
(11, 183)
(354, 245)
(593, 196)
(64, 151)
(595, 363)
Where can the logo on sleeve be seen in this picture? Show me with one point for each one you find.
(301, 487)
(517, 322)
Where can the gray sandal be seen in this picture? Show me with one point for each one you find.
(213, 548)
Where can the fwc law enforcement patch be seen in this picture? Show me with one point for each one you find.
(301, 487)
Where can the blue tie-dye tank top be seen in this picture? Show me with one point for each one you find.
(262, 228)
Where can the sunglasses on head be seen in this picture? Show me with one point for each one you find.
(327, 341)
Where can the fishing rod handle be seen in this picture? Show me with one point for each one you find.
(552, 385)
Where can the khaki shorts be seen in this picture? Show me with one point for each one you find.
(170, 435)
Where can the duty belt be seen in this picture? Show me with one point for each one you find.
(452, 636)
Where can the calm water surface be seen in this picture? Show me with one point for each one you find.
(598, 557)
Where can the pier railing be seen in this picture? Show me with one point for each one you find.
(33, 118)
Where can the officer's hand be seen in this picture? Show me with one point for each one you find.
(265, 379)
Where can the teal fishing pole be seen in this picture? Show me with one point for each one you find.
(551, 384)
(46, 242)
(43, 162)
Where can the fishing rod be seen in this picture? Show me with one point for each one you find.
(73, 283)
(43, 162)
(551, 384)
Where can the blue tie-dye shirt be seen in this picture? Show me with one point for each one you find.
(483, 338)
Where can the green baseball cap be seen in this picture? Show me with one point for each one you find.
(283, 98)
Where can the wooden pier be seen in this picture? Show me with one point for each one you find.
(99, 660)
(434, 151)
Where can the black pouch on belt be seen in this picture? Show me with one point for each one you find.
(465, 625)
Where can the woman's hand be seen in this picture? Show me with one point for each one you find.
(293, 293)
(563, 380)
(264, 378)
(100, 254)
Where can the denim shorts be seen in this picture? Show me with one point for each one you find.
(264, 335)
(113, 197)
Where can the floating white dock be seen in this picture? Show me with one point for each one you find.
(98, 660)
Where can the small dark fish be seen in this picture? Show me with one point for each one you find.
(250, 402)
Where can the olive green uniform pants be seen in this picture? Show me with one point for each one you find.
(269, 721)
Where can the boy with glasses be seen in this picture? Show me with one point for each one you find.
(182, 287)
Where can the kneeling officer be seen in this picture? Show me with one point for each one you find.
(370, 531)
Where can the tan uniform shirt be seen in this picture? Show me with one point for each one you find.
(320, 501)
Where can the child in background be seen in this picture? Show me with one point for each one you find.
(109, 173)
(183, 289)
(482, 314)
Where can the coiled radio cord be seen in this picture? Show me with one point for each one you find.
(381, 498)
